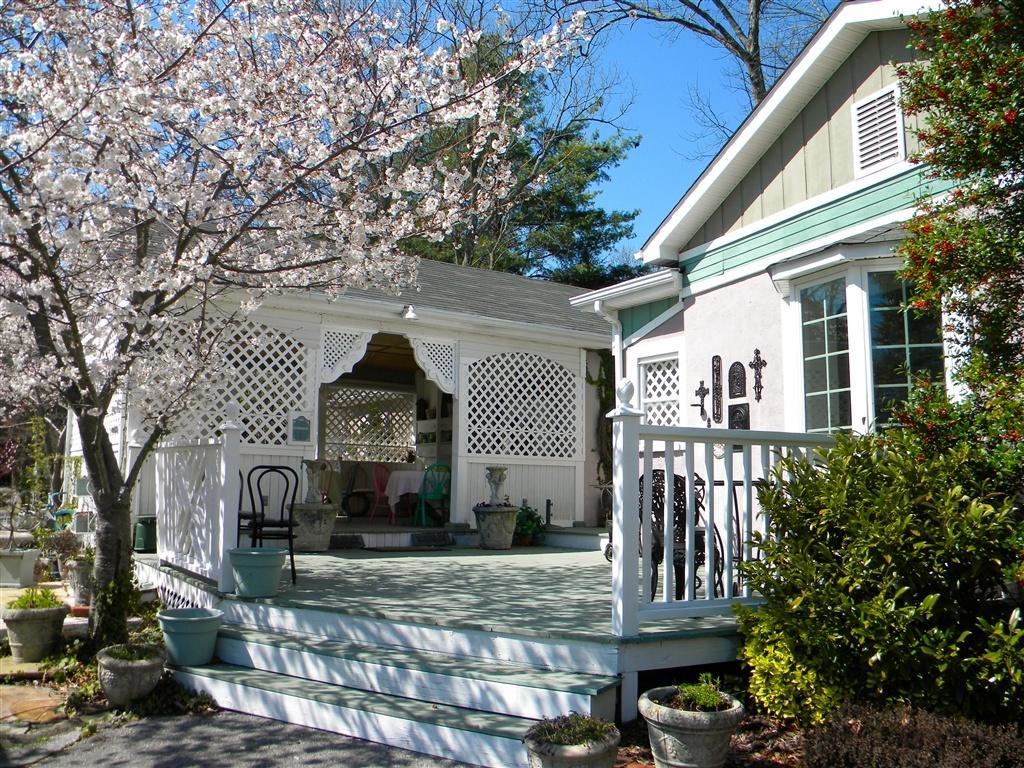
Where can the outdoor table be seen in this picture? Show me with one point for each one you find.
(401, 482)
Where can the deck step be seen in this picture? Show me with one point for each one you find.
(458, 733)
(504, 687)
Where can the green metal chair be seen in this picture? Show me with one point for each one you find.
(436, 486)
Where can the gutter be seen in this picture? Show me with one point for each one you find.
(617, 349)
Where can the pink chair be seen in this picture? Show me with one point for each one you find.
(380, 490)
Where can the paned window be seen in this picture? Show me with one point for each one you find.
(903, 344)
(826, 357)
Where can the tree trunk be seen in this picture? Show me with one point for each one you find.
(113, 570)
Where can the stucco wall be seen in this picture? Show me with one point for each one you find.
(731, 322)
(815, 153)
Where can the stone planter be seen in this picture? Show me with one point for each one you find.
(190, 634)
(598, 754)
(314, 524)
(125, 680)
(79, 575)
(34, 633)
(683, 738)
(17, 567)
(496, 525)
(257, 570)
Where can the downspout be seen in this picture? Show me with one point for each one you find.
(617, 350)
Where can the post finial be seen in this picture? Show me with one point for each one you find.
(624, 393)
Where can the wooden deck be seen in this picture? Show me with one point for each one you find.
(532, 591)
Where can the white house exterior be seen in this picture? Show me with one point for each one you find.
(508, 353)
(777, 265)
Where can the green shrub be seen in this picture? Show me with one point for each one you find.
(34, 597)
(573, 728)
(878, 586)
(529, 524)
(862, 737)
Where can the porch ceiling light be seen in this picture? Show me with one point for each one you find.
(409, 312)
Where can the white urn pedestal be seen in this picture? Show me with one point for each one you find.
(314, 524)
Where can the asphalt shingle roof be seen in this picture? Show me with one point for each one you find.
(500, 295)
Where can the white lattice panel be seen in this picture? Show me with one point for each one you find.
(437, 360)
(520, 404)
(364, 424)
(341, 350)
(660, 394)
(262, 369)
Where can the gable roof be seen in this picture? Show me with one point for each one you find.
(839, 36)
(490, 294)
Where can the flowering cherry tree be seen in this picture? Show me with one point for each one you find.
(164, 163)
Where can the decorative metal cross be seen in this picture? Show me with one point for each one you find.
(702, 392)
(758, 364)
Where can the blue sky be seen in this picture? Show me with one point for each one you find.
(659, 69)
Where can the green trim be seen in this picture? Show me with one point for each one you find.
(440, 715)
(429, 662)
(635, 318)
(892, 194)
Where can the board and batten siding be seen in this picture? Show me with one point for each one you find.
(814, 155)
(635, 318)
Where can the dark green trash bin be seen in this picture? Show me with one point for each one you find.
(145, 534)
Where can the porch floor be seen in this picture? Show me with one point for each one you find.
(532, 591)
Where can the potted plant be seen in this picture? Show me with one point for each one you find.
(496, 518)
(529, 527)
(690, 724)
(572, 740)
(61, 545)
(78, 571)
(190, 634)
(34, 622)
(17, 565)
(129, 671)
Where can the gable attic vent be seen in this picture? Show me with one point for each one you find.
(877, 131)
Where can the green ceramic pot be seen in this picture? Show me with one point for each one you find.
(257, 571)
(190, 634)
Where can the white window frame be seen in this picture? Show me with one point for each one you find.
(862, 404)
(859, 171)
(641, 378)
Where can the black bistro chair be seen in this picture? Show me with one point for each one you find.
(679, 531)
(271, 490)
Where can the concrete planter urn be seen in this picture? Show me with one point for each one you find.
(314, 524)
(496, 520)
(17, 567)
(129, 672)
(595, 754)
(257, 570)
(79, 576)
(190, 634)
(682, 738)
(34, 633)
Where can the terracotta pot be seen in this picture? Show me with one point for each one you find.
(682, 738)
(598, 754)
(124, 680)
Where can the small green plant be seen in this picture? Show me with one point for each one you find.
(529, 525)
(35, 597)
(703, 696)
(132, 651)
(572, 728)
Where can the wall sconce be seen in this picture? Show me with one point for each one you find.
(409, 312)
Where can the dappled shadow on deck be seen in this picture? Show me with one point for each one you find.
(540, 591)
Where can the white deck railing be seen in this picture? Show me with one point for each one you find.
(196, 499)
(718, 470)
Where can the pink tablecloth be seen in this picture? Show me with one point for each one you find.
(401, 482)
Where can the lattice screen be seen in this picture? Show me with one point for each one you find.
(264, 370)
(660, 392)
(437, 359)
(365, 424)
(341, 351)
(520, 404)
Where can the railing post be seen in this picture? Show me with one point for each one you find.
(230, 461)
(626, 422)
